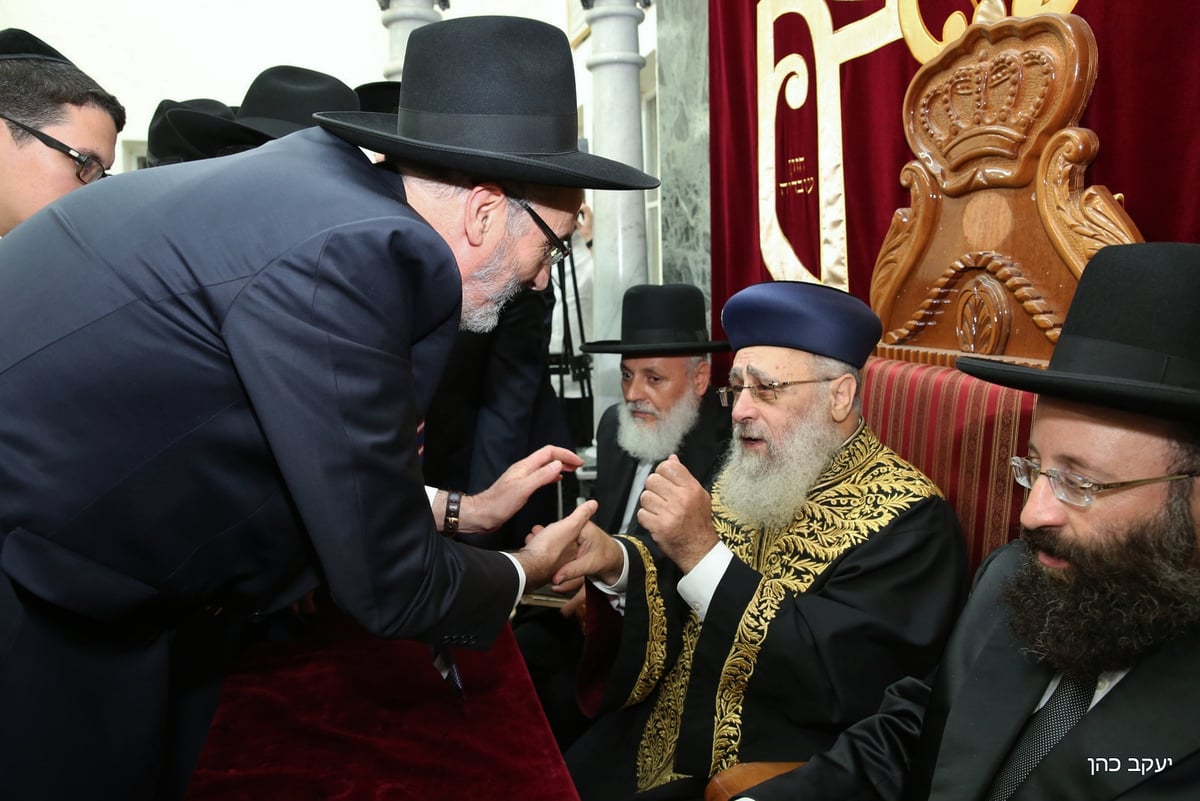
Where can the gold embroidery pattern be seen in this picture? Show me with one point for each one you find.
(865, 487)
(656, 752)
(656, 641)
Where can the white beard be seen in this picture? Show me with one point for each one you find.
(653, 442)
(765, 490)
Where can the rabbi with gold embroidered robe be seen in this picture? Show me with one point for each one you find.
(834, 568)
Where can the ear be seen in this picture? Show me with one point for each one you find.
(841, 397)
(485, 215)
(702, 378)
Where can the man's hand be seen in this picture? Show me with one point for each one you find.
(550, 546)
(677, 511)
(491, 508)
(598, 556)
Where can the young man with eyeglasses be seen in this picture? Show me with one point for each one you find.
(756, 623)
(212, 377)
(59, 127)
(1072, 671)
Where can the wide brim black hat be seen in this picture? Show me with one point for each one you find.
(493, 97)
(164, 144)
(19, 44)
(379, 96)
(666, 320)
(1129, 339)
(281, 100)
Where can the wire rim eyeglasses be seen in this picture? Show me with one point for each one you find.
(1074, 489)
(768, 393)
(87, 168)
(556, 249)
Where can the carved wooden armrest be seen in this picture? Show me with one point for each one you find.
(731, 781)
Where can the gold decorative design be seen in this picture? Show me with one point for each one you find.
(656, 751)
(1030, 298)
(655, 660)
(1078, 221)
(983, 317)
(907, 237)
(980, 112)
(864, 488)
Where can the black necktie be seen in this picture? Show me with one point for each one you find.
(1067, 704)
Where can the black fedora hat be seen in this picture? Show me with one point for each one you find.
(379, 96)
(16, 43)
(666, 320)
(164, 144)
(493, 97)
(281, 100)
(1130, 337)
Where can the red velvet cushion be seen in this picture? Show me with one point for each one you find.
(961, 432)
(345, 715)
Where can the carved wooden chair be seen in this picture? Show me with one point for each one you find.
(985, 262)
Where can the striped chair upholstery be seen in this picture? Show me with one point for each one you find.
(961, 432)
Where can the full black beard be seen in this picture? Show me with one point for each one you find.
(1118, 599)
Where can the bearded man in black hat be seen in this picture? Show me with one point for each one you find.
(213, 376)
(59, 127)
(669, 407)
(1072, 671)
(756, 624)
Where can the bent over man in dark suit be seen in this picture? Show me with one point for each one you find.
(212, 376)
(1072, 673)
(756, 623)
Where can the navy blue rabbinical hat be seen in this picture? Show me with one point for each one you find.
(666, 320)
(16, 43)
(803, 316)
(1130, 337)
(492, 97)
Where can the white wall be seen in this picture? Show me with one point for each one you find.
(146, 50)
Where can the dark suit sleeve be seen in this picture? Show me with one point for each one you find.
(339, 344)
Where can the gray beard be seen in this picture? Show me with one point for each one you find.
(489, 283)
(766, 490)
(653, 442)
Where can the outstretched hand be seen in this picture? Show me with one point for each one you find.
(492, 508)
(550, 546)
(598, 555)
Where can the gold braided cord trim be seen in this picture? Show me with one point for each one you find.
(655, 661)
(739, 666)
(656, 752)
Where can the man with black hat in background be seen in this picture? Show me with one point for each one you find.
(669, 408)
(212, 377)
(756, 624)
(60, 127)
(1072, 671)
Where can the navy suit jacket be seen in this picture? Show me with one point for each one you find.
(211, 377)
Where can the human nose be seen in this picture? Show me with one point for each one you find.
(542, 279)
(744, 407)
(1042, 509)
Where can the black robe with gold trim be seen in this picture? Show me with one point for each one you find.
(806, 629)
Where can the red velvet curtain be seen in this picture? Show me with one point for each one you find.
(1144, 109)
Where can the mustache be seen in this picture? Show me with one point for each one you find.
(641, 407)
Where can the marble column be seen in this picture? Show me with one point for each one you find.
(619, 228)
(400, 18)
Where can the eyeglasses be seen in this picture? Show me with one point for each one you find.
(557, 249)
(87, 168)
(765, 393)
(1073, 488)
